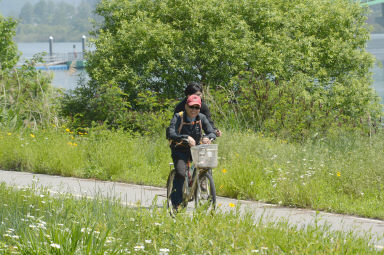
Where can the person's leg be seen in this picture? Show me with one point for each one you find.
(180, 164)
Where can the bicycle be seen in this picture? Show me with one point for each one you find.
(204, 159)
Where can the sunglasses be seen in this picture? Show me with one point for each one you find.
(194, 107)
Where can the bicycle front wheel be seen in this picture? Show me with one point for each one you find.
(170, 190)
(205, 193)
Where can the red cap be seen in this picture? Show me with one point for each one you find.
(193, 100)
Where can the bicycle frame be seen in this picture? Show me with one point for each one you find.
(188, 193)
(190, 186)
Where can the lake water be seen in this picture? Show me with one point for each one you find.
(376, 47)
(61, 78)
(68, 80)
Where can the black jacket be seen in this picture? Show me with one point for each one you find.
(188, 129)
(180, 107)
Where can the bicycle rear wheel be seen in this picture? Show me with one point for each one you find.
(205, 194)
(170, 189)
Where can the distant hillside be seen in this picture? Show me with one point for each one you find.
(65, 20)
(13, 7)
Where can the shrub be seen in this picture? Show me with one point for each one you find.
(297, 108)
(29, 99)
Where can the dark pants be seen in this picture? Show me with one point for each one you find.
(180, 160)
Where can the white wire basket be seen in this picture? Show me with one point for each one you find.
(205, 155)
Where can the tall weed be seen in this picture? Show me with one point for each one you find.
(34, 222)
(343, 173)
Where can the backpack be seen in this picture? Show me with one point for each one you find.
(181, 126)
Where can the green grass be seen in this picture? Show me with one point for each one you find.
(35, 222)
(343, 174)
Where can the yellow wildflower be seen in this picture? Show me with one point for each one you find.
(68, 130)
(231, 205)
(9, 133)
(224, 170)
(32, 135)
(74, 144)
(219, 205)
(69, 143)
(80, 133)
(221, 187)
(338, 174)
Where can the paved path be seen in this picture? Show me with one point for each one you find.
(133, 194)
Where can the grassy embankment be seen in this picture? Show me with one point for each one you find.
(34, 222)
(343, 175)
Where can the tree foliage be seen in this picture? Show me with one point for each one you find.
(8, 49)
(291, 63)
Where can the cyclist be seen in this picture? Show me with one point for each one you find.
(186, 130)
(195, 88)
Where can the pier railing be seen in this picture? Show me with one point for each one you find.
(58, 58)
(59, 61)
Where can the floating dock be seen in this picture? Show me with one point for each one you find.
(77, 64)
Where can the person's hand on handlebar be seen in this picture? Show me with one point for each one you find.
(206, 140)
(191, 141)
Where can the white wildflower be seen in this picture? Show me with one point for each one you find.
(110, 239)
(148, 241)
(55, 245)
(138, 248)
(30, 216)
(164, 251)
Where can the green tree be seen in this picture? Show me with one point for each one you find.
(64, 14)
(81, 21)
(41, 12)
(309, 52)
(8, 49)
(163, 45)
(26, 13)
